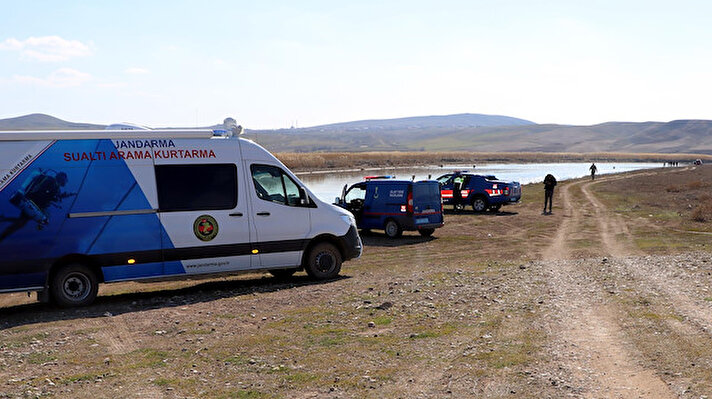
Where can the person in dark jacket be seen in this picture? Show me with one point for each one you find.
(549, 184)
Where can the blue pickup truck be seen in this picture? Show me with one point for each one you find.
(482, 192)
(394, 205)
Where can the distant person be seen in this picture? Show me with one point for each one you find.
(457, 191)
(549, 184)
(593, 170)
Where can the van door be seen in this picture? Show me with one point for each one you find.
(203, 208)
(282, 218)
(427, 203)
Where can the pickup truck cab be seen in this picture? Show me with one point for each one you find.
(482, 192)
(394, 205)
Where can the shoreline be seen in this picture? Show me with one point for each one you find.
(330, 162)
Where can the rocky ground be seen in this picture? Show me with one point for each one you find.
(608, 297)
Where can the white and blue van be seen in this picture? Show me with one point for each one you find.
(79, 208)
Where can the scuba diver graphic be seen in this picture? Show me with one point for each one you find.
(40, 190)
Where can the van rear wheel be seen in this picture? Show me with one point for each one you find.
(323, 262)
(393, 229)
(74, 285)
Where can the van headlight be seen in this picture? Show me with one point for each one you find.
(349, 219)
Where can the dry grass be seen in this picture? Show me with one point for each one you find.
(703, 212)
(346, 160)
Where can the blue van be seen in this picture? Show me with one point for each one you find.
(394, 205)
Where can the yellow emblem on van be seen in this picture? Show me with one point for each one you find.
(205, 227)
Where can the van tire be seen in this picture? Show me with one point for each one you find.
(74, 285)
(393, 229)
(282, 274)
(426, 232)
(479, 204)
(323, 262)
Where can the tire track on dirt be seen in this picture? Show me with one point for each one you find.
(667, 280)
(592, 341)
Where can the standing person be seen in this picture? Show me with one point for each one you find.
(457, 191)
(549, 184)
(593, 170)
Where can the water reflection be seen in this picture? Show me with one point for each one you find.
(328, 184)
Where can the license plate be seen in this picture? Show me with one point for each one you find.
(422, 220)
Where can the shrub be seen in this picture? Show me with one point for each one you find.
(703, 212)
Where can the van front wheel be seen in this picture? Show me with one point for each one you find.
(323, 262)
(74, 285)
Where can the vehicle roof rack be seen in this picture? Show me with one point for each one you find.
(123, 131)
(379, 177)
(44, 135)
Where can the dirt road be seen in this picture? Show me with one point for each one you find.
(609, 297)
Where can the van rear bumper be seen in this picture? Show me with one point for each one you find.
(351, 244)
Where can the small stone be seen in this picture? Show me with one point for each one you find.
(371, 324)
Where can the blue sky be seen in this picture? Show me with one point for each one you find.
(273, 64)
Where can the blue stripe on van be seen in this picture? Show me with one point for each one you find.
(123, 272)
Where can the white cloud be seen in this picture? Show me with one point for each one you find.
(136, 71)
(64, 77)
(46, 48)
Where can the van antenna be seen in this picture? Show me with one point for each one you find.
(231, 125)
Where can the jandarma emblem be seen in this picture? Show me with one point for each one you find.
(205, 227)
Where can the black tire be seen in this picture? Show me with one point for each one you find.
(74, 285)
(393, 229)
(323, 261)
(282, 274)
(479, 204)
(426, 232)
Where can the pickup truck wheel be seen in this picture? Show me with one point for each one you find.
(479, 204)
(74, 285)
(282, 274)
(426, 232)
(323, 262)
(393, 229)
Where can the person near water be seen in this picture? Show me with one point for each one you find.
(457, 191)
(593, 170)
(549, 184)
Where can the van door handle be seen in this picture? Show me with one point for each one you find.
(263, 213)
(238, 214)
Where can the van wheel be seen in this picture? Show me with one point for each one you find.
(323, 262)
(74, 285)
(282, 274)
(426, 232)
(479, 204)
(393, 229)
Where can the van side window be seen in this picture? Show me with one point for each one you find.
(272, 184)
(196, 187)
(356, 193)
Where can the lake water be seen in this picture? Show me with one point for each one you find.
(328, 184)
